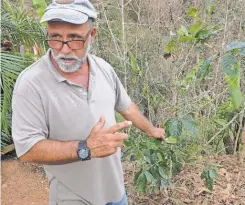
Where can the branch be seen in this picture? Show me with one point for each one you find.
(224, 127)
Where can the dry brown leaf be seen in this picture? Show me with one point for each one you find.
(164, 200)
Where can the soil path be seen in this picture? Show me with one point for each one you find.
(26, 184)
(23, 184)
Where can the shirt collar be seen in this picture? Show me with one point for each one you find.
(92, 64)
(57, 75)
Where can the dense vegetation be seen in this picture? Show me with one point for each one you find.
(198, 98)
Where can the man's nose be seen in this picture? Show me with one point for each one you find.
(65, 49)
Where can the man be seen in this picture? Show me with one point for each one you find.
(64, 112)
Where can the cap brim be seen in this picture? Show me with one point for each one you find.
(70, 16)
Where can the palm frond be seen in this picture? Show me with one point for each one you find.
(5, 140)
(11, 66)
(8, 27)
(20, 27)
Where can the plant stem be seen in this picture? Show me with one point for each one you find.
(224, 127)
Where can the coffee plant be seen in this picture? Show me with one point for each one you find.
(157, 161)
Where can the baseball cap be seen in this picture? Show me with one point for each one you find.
(71, 11)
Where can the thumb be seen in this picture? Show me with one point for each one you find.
(100, 124)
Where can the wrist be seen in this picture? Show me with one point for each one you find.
(150, 131)
(83, 151)
(91, 145)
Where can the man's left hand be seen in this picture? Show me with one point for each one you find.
(158, 133)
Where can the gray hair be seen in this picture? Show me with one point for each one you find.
(91, 23)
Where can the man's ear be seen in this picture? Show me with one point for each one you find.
(93, 33)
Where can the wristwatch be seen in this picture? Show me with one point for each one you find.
(83, 151)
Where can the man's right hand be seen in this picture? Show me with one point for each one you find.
(104, 142)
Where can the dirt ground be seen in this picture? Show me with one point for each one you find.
(189, 188)
(26, 184)
(23, 184)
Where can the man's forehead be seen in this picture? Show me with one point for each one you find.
(63, 24)
(64, 28)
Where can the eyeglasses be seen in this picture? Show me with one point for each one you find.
(72, 44)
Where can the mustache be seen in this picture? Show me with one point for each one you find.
(66, 57)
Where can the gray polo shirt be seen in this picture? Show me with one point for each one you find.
(47, 106)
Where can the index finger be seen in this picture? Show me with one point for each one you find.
(117, 127)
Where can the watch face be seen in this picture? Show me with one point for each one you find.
(83, 153)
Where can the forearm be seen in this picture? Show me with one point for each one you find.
(52, 152)
(138, 119)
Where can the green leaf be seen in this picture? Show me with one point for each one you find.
(149, 177)
(195, 28)
(235, 91)
(154, 158)
(215, 28)
(154, 171)
(137, 176)
(39, 6)
(204, 174)
(208, 181)
(163, 173)
(204, 34)
(229, 65)
(134, 65)
(235, 45)
(38, 2)
(171, 46)
(189, 125)
(171, 140)
(221, 122)
(173, 127)
(190, 77)
(193, 12)
(213, 174)
(6, 140)
(156, 143)
(186, 39)
(141, 182)
(160, 158)
(209, 175)
(206, 68)
(209, 9)
(134, 80)
(135, 68)
(40, 11)
(147, 159)
(183, 31)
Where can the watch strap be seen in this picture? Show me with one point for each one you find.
(83, 145)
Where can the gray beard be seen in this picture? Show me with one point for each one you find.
(73, 66)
